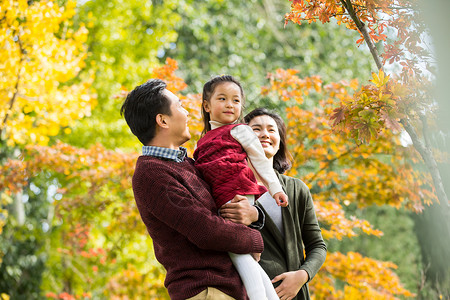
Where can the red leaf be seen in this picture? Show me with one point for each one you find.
(338, 115)
(390, 122)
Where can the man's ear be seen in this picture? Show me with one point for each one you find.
(161, 121)
(206, 106)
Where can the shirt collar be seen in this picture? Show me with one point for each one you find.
(177, 155)
(215, 124)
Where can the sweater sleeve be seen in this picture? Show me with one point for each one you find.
(168, 200)
(249, 141)
(315, 247)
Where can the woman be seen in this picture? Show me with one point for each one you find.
(287, 229)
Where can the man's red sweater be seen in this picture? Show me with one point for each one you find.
(189, 238)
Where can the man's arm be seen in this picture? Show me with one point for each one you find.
(173, 204)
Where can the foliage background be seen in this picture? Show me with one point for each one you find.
(69, 227)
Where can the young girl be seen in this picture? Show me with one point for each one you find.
(221, 156)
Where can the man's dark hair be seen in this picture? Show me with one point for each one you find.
(282, 159)
(141, 107)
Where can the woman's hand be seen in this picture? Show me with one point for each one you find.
(281, 198)
(291, 283)
(239, 210)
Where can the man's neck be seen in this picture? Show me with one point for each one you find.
(163, 142)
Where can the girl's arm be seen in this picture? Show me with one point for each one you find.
(255, 152)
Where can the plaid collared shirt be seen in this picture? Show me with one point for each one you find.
(177, 155)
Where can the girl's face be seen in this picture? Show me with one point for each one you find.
(225, 104)
(266, 130)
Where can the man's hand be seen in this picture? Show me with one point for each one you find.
(281, 198)
(291, 283)
(239, 211)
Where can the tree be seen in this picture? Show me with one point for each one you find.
(41, 94)
(247, 39)
(125, 42)
(41, 60)
(403, 102)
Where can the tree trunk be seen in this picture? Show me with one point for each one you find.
(434, 239)
(431, 164)
(19, 208)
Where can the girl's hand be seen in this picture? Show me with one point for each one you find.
(291, 283)
(281, 198)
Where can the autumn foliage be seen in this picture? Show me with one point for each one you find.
(400, 102)
(40, 57)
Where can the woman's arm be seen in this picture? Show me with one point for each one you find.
(315, 247)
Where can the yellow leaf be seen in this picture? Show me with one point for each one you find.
(53, 130)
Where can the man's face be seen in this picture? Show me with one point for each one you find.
(178, 119)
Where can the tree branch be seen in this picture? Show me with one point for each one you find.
(332, 160)
(425, 131)
(363, 30)
(16, 88)
(430, 162)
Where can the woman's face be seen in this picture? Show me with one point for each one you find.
(266, 130)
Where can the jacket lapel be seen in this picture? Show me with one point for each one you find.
(292, 247)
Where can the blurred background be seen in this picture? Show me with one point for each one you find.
(360, 84)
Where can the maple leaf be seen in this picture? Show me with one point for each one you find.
(379, 80)
(338, 115)
(364, 132)
(389, 121)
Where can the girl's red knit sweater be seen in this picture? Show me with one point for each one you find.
(223, 163)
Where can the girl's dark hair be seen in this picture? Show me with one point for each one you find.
(282, 159)
(208, 90)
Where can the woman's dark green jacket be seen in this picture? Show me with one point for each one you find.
(284, 254)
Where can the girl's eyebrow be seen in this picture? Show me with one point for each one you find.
(223, 94)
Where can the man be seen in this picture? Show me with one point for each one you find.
(189, 239)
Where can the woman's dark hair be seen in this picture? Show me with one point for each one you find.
(141, 107)
(282, 159)
(208, 90)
